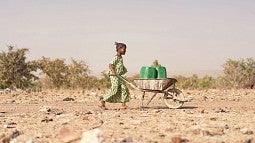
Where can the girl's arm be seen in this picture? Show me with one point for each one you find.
(111, 66)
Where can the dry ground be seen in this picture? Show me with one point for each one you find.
(213, 116)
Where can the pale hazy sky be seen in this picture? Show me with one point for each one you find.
(184, 35)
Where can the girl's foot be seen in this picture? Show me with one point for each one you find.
(124, 106)
(102, 106)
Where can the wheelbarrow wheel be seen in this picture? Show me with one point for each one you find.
(174, 98)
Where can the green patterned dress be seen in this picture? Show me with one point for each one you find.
(119, 92)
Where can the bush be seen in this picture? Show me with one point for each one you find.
(187, 82)
(62, 75)
(56, 72)
(194, 82)
(205, 83)
(15, 71)
(239, 72)
(78, 74)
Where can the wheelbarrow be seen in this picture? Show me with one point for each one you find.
(173, 97)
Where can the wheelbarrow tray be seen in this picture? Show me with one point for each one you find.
(154, 84)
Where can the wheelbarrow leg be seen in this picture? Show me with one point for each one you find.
(151, 99)
(141, 101)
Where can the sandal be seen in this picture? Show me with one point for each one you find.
(103, 107)
(124, 107)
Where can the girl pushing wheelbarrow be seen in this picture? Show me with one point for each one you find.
(118, 92)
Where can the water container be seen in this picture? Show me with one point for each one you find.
(161, 72)
(147, 72)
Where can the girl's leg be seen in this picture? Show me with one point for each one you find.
(113, 95)
(125, 95)
(102, 103)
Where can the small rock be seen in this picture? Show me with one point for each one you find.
(127, 140)
(5, 138)
(199, 116)
(86, 118)
(46, 109)
(213, 132)
(144, 115)
(248, 141)
(136, 121)
(10, 125)
(190, 98)
(245, 141)
(30, 140)
(92, 136)
(88, 112)
(205, 98)
(22, 139)
(64, 131)
(168, 130)
(216, 131)
(190, 112)
(47, 120)
(68, 99)
(178, 139)
(197, 131)
(39, 135)
(221, 110)
(157, 111)
(226, 126)
(246, 131)
(57, 112)
(67, 134)
(10, 101)
(162, 135)
(15, 134)
(213, 118)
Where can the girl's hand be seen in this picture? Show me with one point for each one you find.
(114, 73)
(112, 69)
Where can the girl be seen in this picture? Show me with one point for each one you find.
(119, 92)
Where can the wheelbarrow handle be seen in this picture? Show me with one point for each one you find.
(125, 80)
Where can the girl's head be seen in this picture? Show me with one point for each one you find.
(120, 48)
